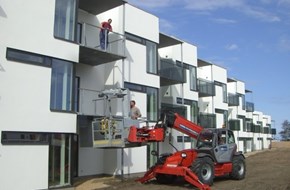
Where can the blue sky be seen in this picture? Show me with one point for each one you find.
(251, 39)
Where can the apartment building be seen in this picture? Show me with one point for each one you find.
(59, 86)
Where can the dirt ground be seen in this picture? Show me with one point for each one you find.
(266, 170)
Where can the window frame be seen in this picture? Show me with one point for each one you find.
(44, 61)
(74, 27)
(145, 89)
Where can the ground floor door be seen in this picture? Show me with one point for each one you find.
(60, 160)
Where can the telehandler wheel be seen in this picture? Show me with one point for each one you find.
(165, 178)
(239, 168)
(204, 169)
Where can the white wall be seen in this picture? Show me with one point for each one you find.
(29, 26)
(141, 23)
(135, 66)
(24, 167)
(135, 160)
(91, 161)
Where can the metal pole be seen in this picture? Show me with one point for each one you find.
(122, 164)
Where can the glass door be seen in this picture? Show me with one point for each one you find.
(59, 160)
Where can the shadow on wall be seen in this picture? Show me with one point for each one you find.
(2, 13)
(1, 67)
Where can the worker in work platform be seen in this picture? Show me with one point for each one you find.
(134, 110)
(104, 32)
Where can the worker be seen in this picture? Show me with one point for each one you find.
(104, 32)
(134, 110)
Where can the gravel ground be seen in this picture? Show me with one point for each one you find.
(266, 170)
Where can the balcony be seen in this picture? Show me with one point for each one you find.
(97, 7)
(266, 130)
(170, 73)
(233, 100)
(234, 124)
(205, 88)
(91, 52)
(250, 107)
(273, 131)
(207, 120)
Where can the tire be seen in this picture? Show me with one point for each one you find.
(204, 169)
(165, 178)
(239, 168)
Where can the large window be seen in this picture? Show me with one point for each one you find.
(151, 50)
(152, 98)
(61, 85)
(65, 19)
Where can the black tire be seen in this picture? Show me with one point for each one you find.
(239, 168)
(165, 178)
(204, 169)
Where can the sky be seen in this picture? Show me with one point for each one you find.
(251, 39)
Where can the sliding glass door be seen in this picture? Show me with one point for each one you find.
(59, 160)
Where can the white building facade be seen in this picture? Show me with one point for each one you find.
(57, 87)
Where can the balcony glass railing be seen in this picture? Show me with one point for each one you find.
(169, 70)
(113, 42)
(234, 125)
(250, 107)
(233, 100)
(205, 88)
(207, 120)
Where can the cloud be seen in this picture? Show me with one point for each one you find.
(284, 43)
(232, 47)
(260, 14)
(237, 5)
(165, 25)
(207, 5)
(224, 21)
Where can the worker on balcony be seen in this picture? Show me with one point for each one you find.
(134, 110)
(104, 32)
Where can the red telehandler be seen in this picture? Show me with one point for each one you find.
(215, 153)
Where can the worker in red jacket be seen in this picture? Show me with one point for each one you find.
(105, 29)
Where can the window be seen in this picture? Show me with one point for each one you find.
(61, 98)
(151, 50)
(61, 80)
(152, 98)
(231, 137)
(24, 138)
(192, 78)
(224, 87)
(65, 19)
(134, 38)
(152, 104)
(27, 57)
(193, 108)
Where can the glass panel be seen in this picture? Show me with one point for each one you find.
(151, 57)
(151, 160)
(65, 19)
(61, 85)
(194, 111)
(59, 160)
(152, 104)
(193, 79)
